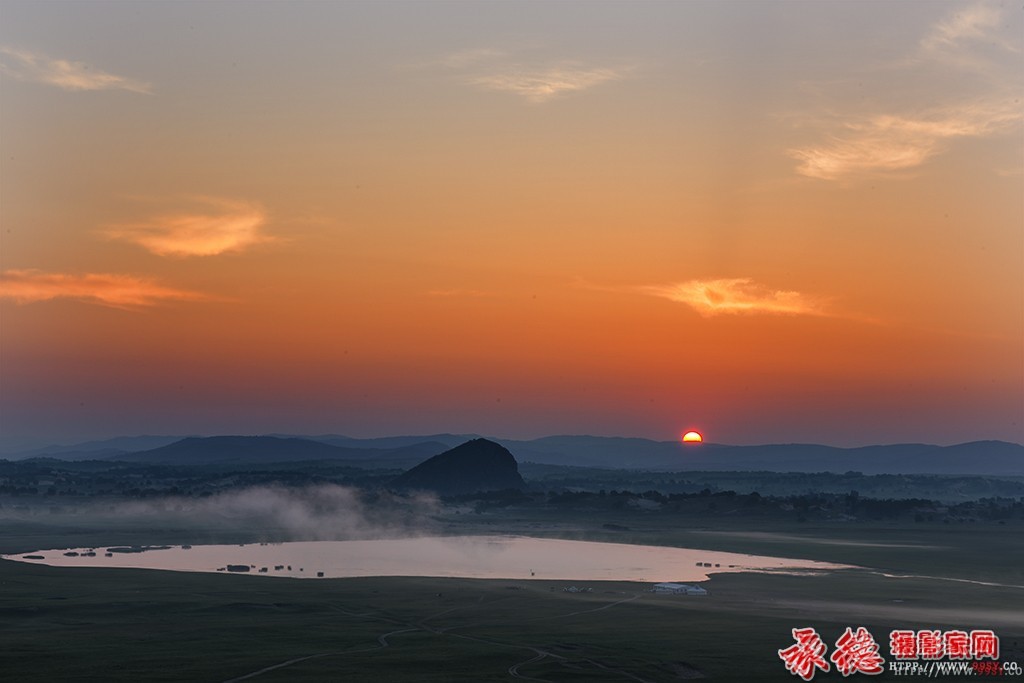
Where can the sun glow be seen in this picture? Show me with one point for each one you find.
(692, 437)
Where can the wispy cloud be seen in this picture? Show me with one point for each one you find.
(971, 38)
(107, 289)
(62, 73)
(542, 83)
(514, 70)
(974, 39)
(966, 25)
(887, 143)
(735, 296)
(216, 227)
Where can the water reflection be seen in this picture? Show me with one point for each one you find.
(483, 557)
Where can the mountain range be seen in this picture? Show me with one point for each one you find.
(978, 457)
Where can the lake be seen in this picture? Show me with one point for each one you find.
(480, 557)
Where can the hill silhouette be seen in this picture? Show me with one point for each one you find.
(477, 465)
(977, 457)
(267, 449)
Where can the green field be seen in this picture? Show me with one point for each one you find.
(79, 624)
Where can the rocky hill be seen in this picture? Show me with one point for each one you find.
(477, 465)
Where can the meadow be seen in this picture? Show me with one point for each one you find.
(129, 625)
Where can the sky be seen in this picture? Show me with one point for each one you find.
(772, 222)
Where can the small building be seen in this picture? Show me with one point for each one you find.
(678, 589)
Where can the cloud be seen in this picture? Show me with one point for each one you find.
(973, 23)
(735, 296)
(971, 38)
(75, 76)
(540, 84)
(117, 291)
(887, 143)
(221, 225)
(535, 81)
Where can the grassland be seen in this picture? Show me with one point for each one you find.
(131, 625)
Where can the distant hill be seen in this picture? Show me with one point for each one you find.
(95, 449)
(267, 449)
(390, 442)
(477, 465)
(978, 457)
(598, 451)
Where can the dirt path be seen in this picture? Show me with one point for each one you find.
(265, 669)
(539, 654)
(383, 638)
(513, 670)
(596, 609)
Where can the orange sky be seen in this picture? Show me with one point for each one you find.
(772, 221)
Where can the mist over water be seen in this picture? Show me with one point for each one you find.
(337, 531)
(322, 512)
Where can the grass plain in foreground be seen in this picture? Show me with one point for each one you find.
(87, 624)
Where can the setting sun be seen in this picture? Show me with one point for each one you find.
(692, 437)
(524, 211)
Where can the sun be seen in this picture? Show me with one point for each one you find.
(692, 437)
